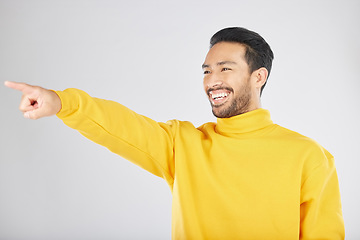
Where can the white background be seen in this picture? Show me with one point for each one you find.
(147, 55)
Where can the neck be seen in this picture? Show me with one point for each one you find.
(244, 123)
(255, 102)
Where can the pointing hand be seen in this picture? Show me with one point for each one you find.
(36, 102)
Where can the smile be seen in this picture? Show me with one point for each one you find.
(218, 97)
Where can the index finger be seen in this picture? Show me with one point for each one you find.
(23, 87)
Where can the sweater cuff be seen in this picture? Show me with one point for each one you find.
(69, 102)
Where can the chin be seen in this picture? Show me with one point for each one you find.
(230, 111)
(222, 113)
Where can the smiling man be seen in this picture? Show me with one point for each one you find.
(243, 177)
(231, 86)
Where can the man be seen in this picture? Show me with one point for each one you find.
(240, 178)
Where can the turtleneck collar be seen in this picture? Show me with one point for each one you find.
(244, 123)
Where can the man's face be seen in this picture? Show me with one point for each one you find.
(227, 80)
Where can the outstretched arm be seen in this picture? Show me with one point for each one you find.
(137, 138)
(36, 102)
(141, 140)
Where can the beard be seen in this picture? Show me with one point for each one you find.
(239, 105)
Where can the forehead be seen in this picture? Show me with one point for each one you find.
(226, 51)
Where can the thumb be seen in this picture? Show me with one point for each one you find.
(47, 106)
(43, 110)
(35, 114)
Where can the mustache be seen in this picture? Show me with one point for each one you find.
(219, 88)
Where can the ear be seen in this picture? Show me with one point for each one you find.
(260, 76)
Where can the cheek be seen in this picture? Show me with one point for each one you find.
(240, 80)
(205, 83)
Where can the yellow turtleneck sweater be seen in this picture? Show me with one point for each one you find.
(240, 178)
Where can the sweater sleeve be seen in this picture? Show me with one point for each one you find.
(320, 209)
(137, 138)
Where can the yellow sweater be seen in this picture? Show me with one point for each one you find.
(240, 178)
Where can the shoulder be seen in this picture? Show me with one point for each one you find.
(183, 125)
(310, 148)
(291, 135)
(186, 128)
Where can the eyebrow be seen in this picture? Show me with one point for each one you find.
(219, 64)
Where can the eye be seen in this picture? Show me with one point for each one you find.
(206, 72)
(225, 69)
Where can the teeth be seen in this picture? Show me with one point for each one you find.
(219, 95)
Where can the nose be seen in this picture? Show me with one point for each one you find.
(212, 80)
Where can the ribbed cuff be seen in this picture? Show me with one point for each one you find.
(69, 102)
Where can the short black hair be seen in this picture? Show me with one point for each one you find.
(258, 52)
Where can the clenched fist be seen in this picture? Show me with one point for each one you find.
(36, 102)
